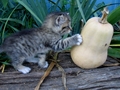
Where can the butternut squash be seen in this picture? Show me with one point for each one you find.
(97, 34)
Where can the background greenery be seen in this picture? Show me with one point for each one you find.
(20, 14)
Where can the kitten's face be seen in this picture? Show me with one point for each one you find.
(59, 22)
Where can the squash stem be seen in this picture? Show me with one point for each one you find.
(103, 19)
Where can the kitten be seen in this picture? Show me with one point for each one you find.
(26, 45)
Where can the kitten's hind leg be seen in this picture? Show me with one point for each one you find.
(42, 61)
(32, 59)
(17, 64)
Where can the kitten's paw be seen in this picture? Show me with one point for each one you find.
(44, 65)
(78, 38)
(24, 69)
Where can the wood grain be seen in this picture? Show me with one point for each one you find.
(102, 78)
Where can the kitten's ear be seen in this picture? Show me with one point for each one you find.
(60, 20)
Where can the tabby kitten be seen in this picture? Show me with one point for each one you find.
(26, 45)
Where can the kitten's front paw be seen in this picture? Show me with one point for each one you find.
(24, 69)
(43, 65)
(78, 38)
(46, 64)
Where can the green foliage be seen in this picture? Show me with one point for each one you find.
(114, 52)
(4, 2)
(114, 49)
(13, 17)
(37, 8)
(113, 18)
(80, 11)
(3, 32)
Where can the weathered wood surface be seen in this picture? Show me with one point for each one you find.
(102, 78)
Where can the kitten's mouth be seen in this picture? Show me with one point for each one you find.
(70, 31)
(67, 32)
(70, 28)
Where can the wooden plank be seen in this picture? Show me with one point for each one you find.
(102, 78)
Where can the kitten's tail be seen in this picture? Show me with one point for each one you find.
(1, 49)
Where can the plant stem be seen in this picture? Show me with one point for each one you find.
(3, 32)
(45, 75)
(103, 19)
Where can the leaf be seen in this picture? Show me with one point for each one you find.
(114, 52)
(117, 45)
(13, 20)
(116, 37)
(75, 18)
(37, 8)
(5, 63)
(13, 28)
(55, 5)
(116, 33)
(81, 10)
(3, 32)
(89, 9)
(72, 8)
(101, 7)
(114, 16)
(4, 2)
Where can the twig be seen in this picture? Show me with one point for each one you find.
(115, 59)
(108, 65)
(63, 75)
(2, 68)
(54, 62)
(45, 75)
